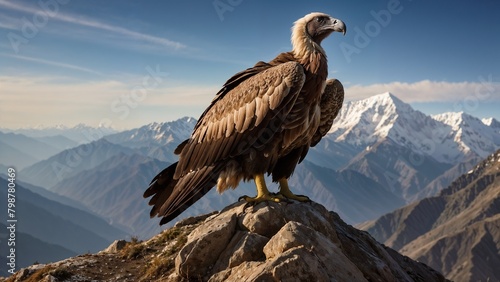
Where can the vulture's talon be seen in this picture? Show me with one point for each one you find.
(261, 198)
(286, 193)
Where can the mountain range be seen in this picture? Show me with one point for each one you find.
(448, 138)
(456, 232)
(380, 142)
(24, 147)
(80, 133)
(379, 155)
(412, 154)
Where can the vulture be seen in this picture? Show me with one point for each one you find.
(262, 121)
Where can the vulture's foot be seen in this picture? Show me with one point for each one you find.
(262, 192)
(286, 193)
(261, 198)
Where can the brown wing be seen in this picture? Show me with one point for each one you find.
(251, 104)
(228, 128)
(331, 103)
(230, 84)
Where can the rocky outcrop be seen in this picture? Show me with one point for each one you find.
(265, 242)
(298, 241)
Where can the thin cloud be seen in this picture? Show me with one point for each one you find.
(98, 25)
(9, 22)
(198, 96)
(430, 91)
(50, 63)
(33, 100)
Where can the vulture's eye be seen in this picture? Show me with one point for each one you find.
(320, 19)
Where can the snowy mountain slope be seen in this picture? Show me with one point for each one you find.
(156, 140)
(493, 123)
(159, 134)
(470, 133)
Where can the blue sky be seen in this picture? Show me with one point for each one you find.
(128, 63)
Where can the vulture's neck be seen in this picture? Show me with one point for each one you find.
(308, 53)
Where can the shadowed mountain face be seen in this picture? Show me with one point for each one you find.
(17, 150)
(70, 162)
(50, 231)
(114, 191)
(354, 196)
(456, 232)
(398, 168)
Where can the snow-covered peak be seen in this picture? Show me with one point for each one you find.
(384, 99)
(457, 119)
(488, 121)
(45, 127)
(491, 122)
(366, 121)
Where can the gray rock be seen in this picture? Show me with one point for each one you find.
(204, 246)
(264, 219)
(244, 246)
(115, 247)
(319, 256)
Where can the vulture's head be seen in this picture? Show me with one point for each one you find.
(313, 28)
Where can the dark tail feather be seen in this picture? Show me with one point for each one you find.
(161, 187)
(173, 196)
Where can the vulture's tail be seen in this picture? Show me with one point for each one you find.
(173, 196)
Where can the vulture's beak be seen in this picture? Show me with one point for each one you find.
(338, 25)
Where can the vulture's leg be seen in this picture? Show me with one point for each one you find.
(285, 192)
(262, 192)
